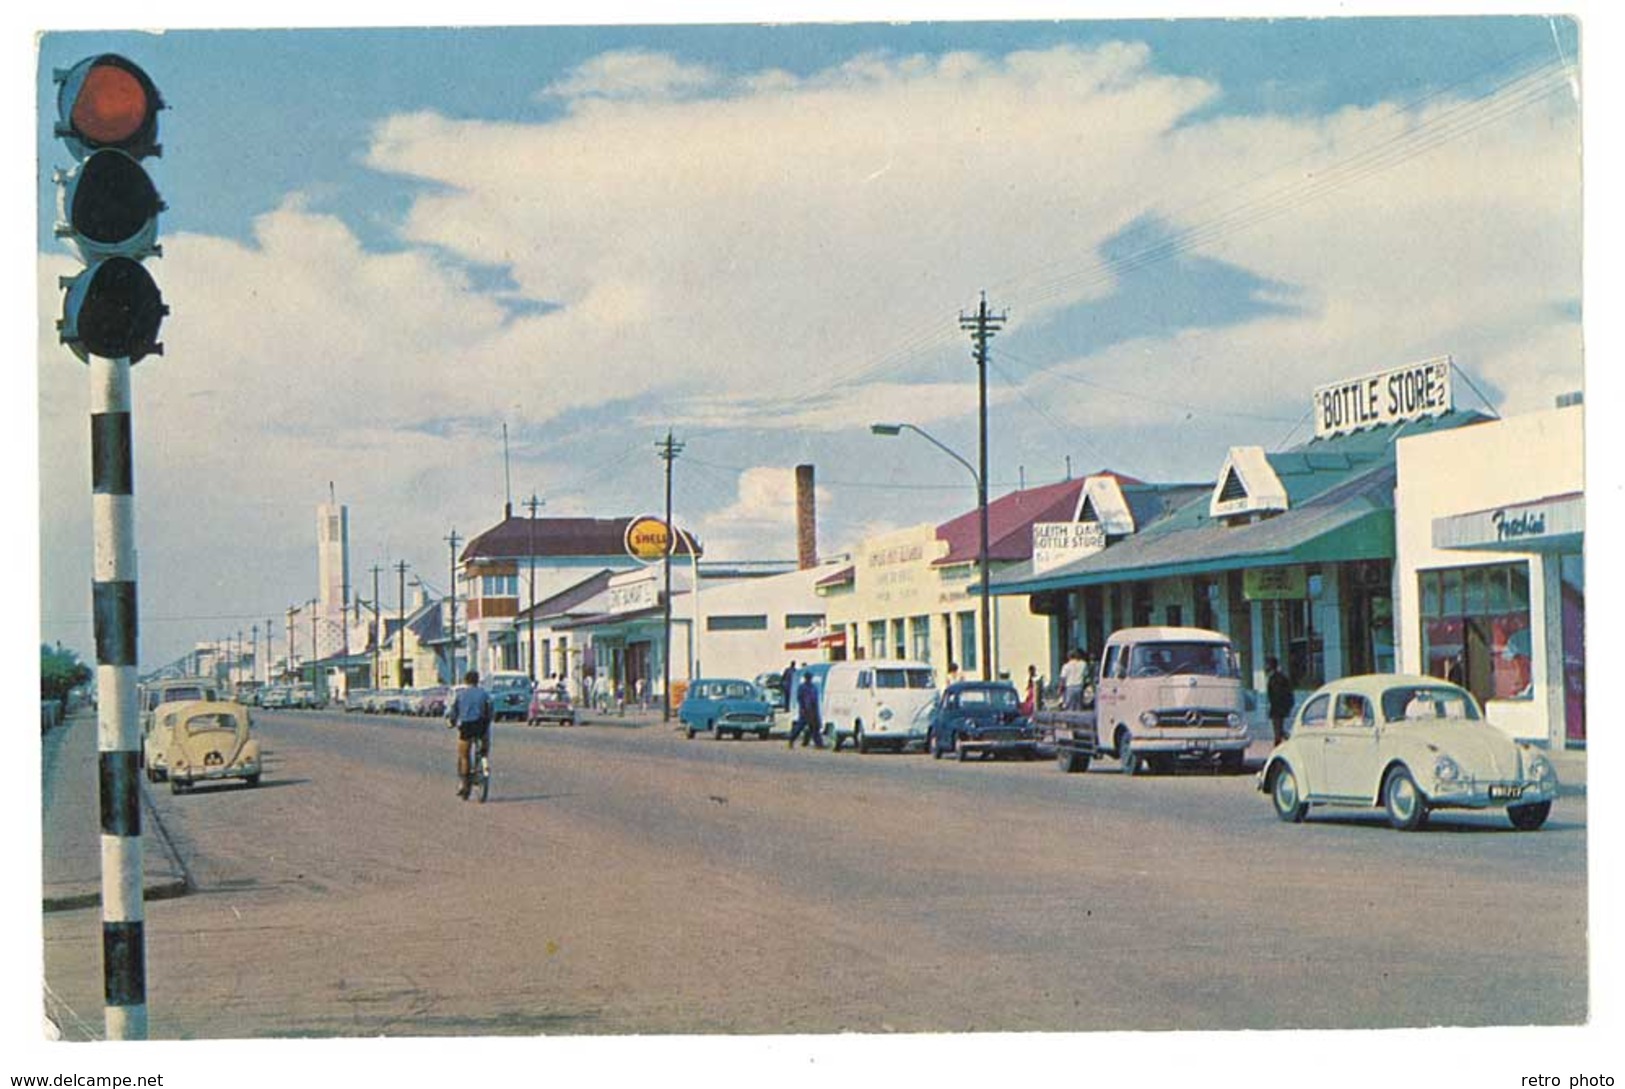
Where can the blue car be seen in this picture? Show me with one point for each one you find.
(980, 717)
(725, 707)
(510, 695)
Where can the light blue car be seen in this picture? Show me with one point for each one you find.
(725, 707)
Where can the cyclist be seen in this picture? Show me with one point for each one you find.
(471, 713)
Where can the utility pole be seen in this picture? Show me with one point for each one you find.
(454, 541)
(293, 611)
(668, 450)
(982, 326)
(532, 504)
(268, 630)
(377, 629)
(400, 629)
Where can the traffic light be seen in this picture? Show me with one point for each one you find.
(107, 116)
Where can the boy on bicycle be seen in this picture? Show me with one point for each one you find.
(471, 714)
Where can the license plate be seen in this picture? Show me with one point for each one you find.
(1501, 790)
(1196, 746)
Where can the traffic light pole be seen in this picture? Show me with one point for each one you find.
(118, 731)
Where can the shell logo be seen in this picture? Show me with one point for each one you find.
(647, 539)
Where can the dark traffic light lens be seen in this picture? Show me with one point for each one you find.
(118, 313)
(113, 199)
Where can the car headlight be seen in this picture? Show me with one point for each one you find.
(1234, 720)
(1148, 719)
(1445, 769)
(1540, 769)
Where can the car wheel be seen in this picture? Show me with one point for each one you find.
(688, 731)
(836, 739)
(1288, 795)
(252, 780)
(959, 752)
(863, 740)
(716, 732)
(934, 745)
(1128, 760)
(1527, 818)
(1402, 798)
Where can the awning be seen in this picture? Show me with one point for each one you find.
(1553, 524)
(1351, 522)
(817, 641)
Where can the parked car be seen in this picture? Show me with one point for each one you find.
(1409, 744)
(392, 701)
(277, 696)
(551, 704)
(724, 706)
(877, 703)
(1167, 694)
(211, 740)
(510, 694)
(157, 694)
(772, 686)
(433, 701)
(982, 718)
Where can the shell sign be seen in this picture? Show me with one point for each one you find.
(647, 539)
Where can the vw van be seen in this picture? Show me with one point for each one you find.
(883, 703)
(1166, 694)
(210, 740)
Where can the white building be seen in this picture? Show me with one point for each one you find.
(1490, 571)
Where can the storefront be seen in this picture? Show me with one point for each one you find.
(1290, 553)
(1491, 569)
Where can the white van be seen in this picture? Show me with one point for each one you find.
(1170, 693)
(880, 703)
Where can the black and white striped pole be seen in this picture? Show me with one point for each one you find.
(118, 732)
(108, 118)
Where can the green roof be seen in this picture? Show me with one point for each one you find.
(1340, 494)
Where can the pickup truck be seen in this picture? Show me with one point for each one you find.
(1072, 735)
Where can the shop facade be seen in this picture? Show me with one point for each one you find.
(1491, 570)
(1290, 553)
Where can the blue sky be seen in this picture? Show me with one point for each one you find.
(384, 245)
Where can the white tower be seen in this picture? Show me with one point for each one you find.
(333, 573)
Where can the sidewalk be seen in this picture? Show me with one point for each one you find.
(70, 813)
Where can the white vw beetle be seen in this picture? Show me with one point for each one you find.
(1410, 745)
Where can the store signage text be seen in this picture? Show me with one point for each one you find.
(1056, 543)
(647, 539)
(633, 596)
(1274, 584)
(1407, 393)
(1512, 527)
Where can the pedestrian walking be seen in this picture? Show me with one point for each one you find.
(1072, 681)
(1278, 691)
(1029, 702)
(807, 716)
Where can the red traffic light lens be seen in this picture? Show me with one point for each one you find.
(112, 106)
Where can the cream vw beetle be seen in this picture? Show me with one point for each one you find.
(210, 740)
(1410, 745)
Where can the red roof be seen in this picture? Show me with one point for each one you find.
(521, 538)
(1010, 519)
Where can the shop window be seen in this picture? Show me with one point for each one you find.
(899, 648)
(919, 635)
(877, 638)
(969, 645)
(1476, 629)
(736, 623)
(802, 621)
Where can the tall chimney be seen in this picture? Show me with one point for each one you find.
(806, 519)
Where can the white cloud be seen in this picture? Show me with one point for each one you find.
(633, 73)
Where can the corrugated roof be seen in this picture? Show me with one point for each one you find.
(1351, 520)
(1010, 519)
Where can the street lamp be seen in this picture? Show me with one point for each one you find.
(892, 429)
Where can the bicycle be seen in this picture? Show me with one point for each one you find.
(479, 767)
